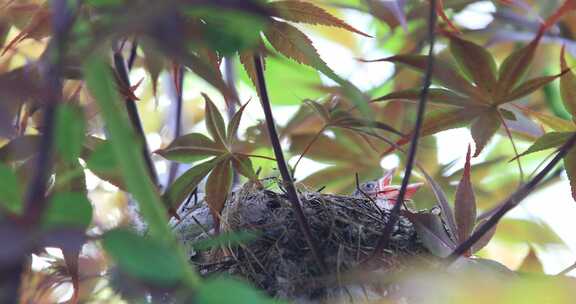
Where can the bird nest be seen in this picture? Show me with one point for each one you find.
(279, 260)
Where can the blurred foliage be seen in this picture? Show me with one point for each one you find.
(508, 82)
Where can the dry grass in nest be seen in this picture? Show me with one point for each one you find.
(279, 260)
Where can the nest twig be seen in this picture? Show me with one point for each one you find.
(279, 260)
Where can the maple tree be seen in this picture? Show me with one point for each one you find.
(98, 92)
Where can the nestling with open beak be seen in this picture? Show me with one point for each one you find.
(384, 194)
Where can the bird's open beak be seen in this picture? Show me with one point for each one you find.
(391, 192)
(385, 180)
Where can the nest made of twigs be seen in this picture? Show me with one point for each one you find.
(279, 260)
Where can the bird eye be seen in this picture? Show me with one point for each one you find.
(370, 186)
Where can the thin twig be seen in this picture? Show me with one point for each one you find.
(567, 270)
(177, 95)
(308, 146)
(511, 202)
(516, 154)
(120, 66)
(283, 168)
(427, 81)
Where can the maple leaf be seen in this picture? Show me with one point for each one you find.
(465, 204)
(289, 41)
(38, 26)
(221, 155)
(566, 7)
(391, 12)
(475, 90)
(442, 233)
(333, 116)
(531, 263)
(306, 12)
(356, 154)
(440, 12)
(557, 139)
(154, 62)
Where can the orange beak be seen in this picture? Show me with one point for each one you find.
(389, 192)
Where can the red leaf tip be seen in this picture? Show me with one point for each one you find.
(467, 164)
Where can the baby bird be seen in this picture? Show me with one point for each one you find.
(384, 194)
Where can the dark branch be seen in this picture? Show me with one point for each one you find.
(567, 270)
(35, 201)
(283, 168)
(512, 201)
(122, 71)
(132, 55)
(395, 213)
(62, 20)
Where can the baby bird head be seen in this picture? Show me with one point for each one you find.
(383, 192)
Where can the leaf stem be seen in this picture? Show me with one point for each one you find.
(283, 168)
(256, 156)
(513, 143)
(427, 81)
(512, 201)
(309, 145)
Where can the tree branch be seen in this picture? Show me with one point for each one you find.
(132, 55)
(512, 201)
(122, 71)
(35, 200)
(283, 168)
(427, 80)
(567, 269)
